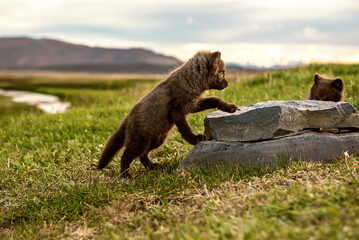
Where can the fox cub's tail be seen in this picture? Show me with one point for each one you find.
(113, 145)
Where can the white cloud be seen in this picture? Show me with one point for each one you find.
(262, 11)
(274, 50)
(269, 54)
(55, 13)
(309, 33)
(255, 26)
(189, 20)
(258, 31)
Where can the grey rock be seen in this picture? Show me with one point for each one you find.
(307, 147)
(267, 120)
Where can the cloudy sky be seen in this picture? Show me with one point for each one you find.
(256, 32)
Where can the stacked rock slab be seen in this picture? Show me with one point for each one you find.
(266, 133)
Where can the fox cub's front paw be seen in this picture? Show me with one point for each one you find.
(231, 108)
(200, 138)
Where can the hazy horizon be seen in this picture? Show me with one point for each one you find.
(262, 33)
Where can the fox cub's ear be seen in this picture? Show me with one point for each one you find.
(216, 55)
(316, 78)
(337, 84)
(214, 59)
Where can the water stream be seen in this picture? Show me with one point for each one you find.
(47, 103)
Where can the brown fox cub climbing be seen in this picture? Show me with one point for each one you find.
(147, 125)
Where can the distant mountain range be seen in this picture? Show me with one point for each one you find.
(49, 54)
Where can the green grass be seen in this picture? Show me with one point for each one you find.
(8, 107)
(50, 189)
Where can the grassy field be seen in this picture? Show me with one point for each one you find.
(50, 189)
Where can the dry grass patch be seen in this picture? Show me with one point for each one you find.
(309, 199)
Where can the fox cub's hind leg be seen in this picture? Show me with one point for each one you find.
(133, 150)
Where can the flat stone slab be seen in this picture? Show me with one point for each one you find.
(267, 120)
(309, 146)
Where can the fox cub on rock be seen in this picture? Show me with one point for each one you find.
(327, 89)
(147, 125)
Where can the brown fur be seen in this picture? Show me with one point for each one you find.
(147, 125)
(327, 89)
